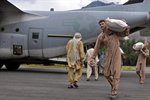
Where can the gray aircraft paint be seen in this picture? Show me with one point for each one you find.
(43, 35)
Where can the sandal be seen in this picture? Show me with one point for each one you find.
(70, 86)
(141, 82)
(113, 96)
(75, 85)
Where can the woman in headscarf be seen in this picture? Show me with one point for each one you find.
(75, 56)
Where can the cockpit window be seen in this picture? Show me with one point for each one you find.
(133, 1)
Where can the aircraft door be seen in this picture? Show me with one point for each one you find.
(35, 42)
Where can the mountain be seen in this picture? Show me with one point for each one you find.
(97, 3)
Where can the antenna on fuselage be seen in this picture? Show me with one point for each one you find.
(52, 9)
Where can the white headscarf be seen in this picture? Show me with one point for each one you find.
(90, 53)
(75, 53)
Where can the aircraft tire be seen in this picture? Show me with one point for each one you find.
(12, 66)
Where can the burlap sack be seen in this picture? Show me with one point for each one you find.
(138, 46)
(116, 25)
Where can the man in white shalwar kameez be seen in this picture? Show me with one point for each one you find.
(89, 67)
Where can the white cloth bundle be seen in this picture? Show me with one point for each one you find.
(121, 50)
(138, 46)
(116, 25)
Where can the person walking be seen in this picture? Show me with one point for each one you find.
(141, 62)
(89, 67)
(112, 65)
(75, 57)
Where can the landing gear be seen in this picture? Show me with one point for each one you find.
(12, 66)
(1, 65)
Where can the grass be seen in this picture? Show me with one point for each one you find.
(124, 68)
(43, 66)
(128, 68)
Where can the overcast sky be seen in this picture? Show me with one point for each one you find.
(58, 5)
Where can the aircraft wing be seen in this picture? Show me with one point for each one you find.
(10, 14)
(6, 6)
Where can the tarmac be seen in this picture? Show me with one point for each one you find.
(51, 84)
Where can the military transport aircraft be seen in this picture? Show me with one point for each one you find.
(36, 36)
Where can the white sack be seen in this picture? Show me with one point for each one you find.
(138, 46)
(116, 25)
